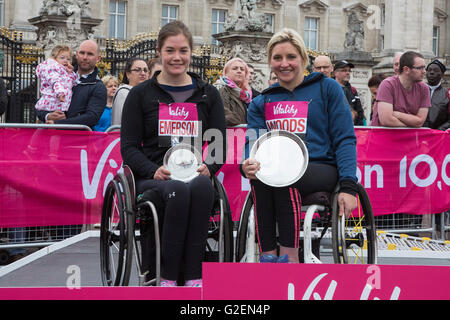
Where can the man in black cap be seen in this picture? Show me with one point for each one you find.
(342, 70)
(438, 115)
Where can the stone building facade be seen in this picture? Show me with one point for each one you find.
(386, 26)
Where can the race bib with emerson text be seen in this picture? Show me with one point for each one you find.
(177, 120)
(287, 115)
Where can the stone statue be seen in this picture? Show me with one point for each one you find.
(354, 38)
(66, 8)
(247, 7)
(247, 19)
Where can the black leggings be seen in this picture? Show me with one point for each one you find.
(283, 205)
(187, 209)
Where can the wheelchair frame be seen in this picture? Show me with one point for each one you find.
(346, 233)
(120, 241)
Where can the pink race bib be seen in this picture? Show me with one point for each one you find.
(287, 115)
(178, 119)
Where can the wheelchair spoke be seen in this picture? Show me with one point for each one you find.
(358, 238)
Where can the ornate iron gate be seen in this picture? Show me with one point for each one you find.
(116, 53)
(18, 62)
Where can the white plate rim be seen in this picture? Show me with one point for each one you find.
(277, 133)
(187, 147)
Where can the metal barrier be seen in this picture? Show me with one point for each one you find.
(113, 128)
(444, 225)
(15, 240)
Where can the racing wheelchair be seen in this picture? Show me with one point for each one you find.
(130, 233)
(353, 239)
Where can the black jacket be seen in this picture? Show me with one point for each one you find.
(355, 104)
(141, 146)
(88, 102)
(439, 113)
(3, 97)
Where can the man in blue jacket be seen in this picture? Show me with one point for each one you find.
(89, 95)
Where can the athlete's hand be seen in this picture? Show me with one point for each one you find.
(162, 174)
(347, 203)
(250, 168)
(204, 171)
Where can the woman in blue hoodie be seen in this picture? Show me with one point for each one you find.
(330, 139)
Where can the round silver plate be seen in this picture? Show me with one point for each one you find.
(182, 160)
(283, 157)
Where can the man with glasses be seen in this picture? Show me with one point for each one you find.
(323, 65)
(403, 100)
(89, 94)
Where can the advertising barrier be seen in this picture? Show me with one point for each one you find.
(261, 282)
(58, 177)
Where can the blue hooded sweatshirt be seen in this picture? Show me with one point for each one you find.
(330, 134)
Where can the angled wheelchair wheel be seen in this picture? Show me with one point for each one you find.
(246, 243)
(354, 240)
(115, 240)
(219, 246)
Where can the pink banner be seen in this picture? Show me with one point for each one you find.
(55, 177)
(58, 177)
(260, 281)
(255, 281)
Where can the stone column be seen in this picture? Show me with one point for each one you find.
(20, 23)
(250, 47)
(246, 37)
(409, 26)
(67, 23)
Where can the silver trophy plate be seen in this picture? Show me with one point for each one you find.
(283, 157)
(183, 161)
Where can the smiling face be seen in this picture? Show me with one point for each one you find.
(138, 73)
(287, 65)
(175, 55)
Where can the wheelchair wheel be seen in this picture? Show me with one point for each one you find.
(115, 238)
(354, 239)
(220, 233)
(242, 239)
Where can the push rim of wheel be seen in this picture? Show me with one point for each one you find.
(354, 238)
(224, 238)
(241, 239)
(112, 236)
(128, 228)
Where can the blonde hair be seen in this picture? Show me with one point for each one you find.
(58, 49)
(244, 84)
(106, 79)
(291, 36)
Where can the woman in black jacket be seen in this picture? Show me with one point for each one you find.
(151, 124)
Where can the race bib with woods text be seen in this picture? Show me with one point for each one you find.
(287, 115)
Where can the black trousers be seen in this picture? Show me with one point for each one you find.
(185, 209)
(283, 205)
